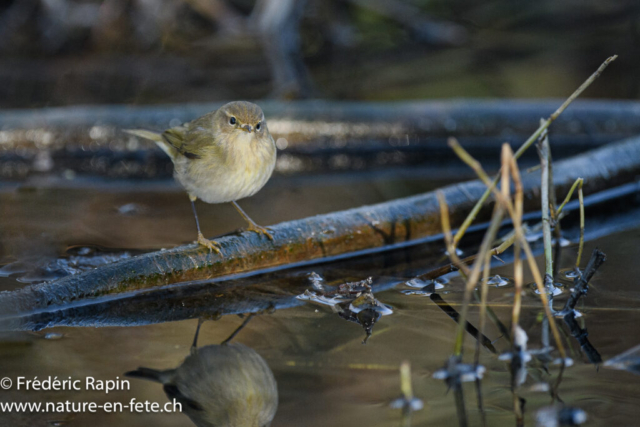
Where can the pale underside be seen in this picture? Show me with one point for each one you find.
(241, 172)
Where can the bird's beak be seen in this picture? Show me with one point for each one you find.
(247, 128)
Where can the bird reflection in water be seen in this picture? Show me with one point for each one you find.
(220, 385)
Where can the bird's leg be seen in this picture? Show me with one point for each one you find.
(238, 329)
(252, 225)
(213, 246)
(194, 346)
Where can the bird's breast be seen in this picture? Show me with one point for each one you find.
(241, 172)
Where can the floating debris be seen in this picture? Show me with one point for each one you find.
(555, 291)
(458, 252)
(424, 292)
(355, 288)
(559, 361)
(521, 356)
(571, 273)
(463, 372)
(533, 236)
(408, 403)
(321, 299)
(427, 287)
(627, 361)
(556, 416)
(412, 405)
(317, 281)
(131, 209)
(53, 336)
(498, 281)
(366, 301)
(540, 387)
(419, 283)
(353, 301)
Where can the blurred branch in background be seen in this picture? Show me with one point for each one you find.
(426, 29)
(61, 52)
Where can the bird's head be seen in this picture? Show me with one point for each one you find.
(241, 118)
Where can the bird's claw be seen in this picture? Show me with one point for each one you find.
(261, 230)
(212, 245)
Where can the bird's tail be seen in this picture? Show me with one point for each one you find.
(153, 136)
(150, 374)
(146, 134)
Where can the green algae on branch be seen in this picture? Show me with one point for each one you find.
(354, 232)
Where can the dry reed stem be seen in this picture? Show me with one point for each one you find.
(483, 302)
(516, 217)
(474, 274)
(405, 380)
(545, 202)
(474, 212)
(581, 245)
(577, 183)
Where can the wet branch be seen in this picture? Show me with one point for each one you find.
(365, 230)
(581, 283)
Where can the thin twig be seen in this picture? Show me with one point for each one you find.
(407, 392)
(474, 274)
(581, 283)
(474, 212)
(581, 245)
(577, 183)
(517, 222)
(472, 281)
(462, 265)
(405, 380)
(517, 261)
(545, 202)
(483, 302)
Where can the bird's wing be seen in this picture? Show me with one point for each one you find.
(190, 139)
(172, 392)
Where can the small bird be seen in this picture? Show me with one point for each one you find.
(227, 385)
(223, 156)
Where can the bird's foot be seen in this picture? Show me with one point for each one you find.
(212, 245)
(261, 230)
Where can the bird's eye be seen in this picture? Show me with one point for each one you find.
(259, 126)
(232, 121)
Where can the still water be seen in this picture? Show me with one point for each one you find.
(324, 374)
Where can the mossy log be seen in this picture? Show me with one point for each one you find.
(359, 231)
(607, 212)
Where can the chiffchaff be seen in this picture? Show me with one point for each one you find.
(223, 156)
(226, 385)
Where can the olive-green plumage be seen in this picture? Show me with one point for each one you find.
(223, 156)
(226, 385)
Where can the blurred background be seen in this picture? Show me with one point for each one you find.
(64, 52)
